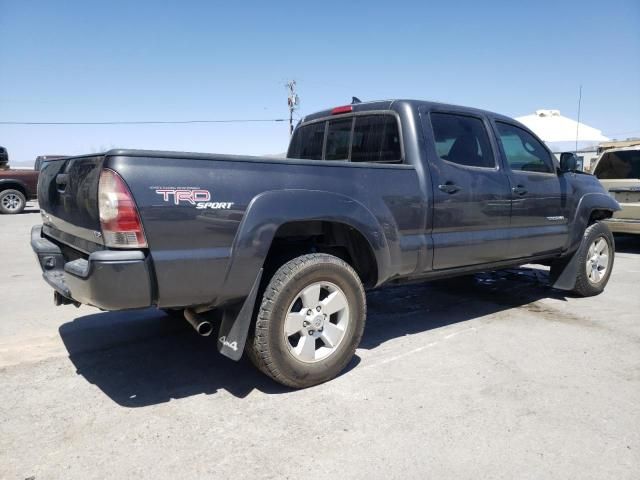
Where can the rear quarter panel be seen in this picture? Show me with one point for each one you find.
(192, 248)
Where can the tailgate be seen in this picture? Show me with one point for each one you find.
(68, 198)
(627, 193)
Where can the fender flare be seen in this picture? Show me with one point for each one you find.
(264, 215)
(586, 206)
(14, 181)
(270, 210)
(565, 279)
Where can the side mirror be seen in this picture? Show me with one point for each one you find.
(568, 162)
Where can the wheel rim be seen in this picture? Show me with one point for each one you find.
(597, 263)
(316, 322)
(11, 202)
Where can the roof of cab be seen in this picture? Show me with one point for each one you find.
(398, 103)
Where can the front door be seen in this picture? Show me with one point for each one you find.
(539, 215)
(471, 192)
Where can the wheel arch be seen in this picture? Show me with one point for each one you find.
(591, 208)
(13, 184)
(298, 237)
(277, 211)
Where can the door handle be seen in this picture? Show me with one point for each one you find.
(519, 190)
(449, 187)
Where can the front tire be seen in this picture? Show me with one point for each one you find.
(12, 201)
(594, 260)
(310, 321)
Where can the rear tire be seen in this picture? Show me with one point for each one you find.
(12, 202)
(310, 321)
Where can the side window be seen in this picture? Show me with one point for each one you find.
(523, 151)
(462, 140)
(307, 142)
(376, 139)
(338, 139)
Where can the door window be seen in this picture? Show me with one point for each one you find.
(523, 151)
(462, 140)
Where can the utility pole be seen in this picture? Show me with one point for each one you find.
(293, 101)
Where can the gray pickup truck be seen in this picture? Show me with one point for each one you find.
(280, 251)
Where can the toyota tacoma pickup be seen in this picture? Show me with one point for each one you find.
(279, 251)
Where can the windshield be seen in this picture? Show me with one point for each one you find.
(619, 165)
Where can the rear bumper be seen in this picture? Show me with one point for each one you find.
(623, 225)
(108, 279)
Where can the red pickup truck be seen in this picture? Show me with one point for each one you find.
(16, 186)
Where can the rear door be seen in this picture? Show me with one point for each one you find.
(68, 199)
(539, 215)
(472, 197)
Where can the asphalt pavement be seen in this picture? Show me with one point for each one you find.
(494, 376)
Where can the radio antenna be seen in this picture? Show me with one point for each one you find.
(578, 124)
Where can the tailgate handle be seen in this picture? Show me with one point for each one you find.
(61, 181)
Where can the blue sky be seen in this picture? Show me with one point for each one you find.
(151, 60)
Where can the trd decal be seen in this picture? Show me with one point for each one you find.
(194, 196)
(187, 195)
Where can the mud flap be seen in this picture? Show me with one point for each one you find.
(235, 324)
(565, 278)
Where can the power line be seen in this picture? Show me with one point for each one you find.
(150, 122)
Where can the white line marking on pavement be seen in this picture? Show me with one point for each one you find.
(418, 349)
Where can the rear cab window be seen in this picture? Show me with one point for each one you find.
(338, 139)
(623, 164)
(307, 142)
(376, 139)
(370, 138)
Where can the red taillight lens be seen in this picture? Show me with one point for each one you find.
(121, 226)
(344, 109)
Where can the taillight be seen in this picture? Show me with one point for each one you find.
(121, 226)
(343, 109)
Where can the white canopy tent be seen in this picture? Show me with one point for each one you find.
(556, 130)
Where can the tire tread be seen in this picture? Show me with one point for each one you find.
(258, 348)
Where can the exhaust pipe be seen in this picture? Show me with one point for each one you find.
(198, 322)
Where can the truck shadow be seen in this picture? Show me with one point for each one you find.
(144, 358)
(627, 243)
